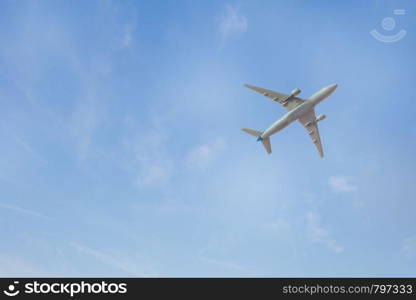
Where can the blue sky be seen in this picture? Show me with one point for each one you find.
(121, 152)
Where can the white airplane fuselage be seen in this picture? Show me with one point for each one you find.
(299, 111)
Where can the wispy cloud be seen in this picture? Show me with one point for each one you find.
(14, 267)
(278, 226)
(219, 256)
(117, 261)
(342, 184)
(20, 210)
(223, 264)
(409, 247)
(231, 23)
(201, 156)
(122, 22)
(148, 158)
(127, 38)
(84, 124)
(318, 234)
(28, 148)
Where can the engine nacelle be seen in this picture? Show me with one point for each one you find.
(320, 118)
(295, 92)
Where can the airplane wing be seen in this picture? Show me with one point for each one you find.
(309, 122)
(287, 101)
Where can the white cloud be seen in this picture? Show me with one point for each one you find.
(231, 23)
(409, 247)
(203, 155)
(318, 234)
(342, 184)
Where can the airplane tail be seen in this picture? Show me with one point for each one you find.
(264, 141)
(267, 145)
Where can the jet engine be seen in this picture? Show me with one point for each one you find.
(295, 92)
(320, 118)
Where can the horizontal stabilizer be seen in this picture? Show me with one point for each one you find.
(252, 132)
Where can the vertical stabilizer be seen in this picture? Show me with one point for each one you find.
(266, 144)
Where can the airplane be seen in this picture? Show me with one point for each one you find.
(299, 109)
